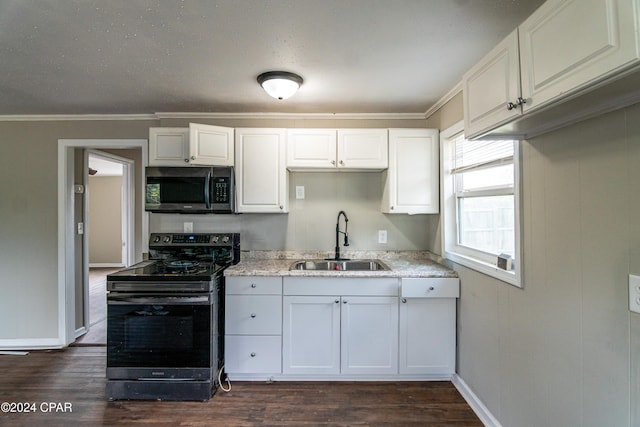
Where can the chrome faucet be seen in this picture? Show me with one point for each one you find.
(346, 234)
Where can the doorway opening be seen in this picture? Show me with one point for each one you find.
(73, 244)
(108, 213)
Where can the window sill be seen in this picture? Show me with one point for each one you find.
(510, 277)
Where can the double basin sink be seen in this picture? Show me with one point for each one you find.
(339, 265)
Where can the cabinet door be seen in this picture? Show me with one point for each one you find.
(261, 175)
(369, 335)
(567, 44)
(490, 85)
(311, 335)
(168, 146)
(210, 145)
(412, 185)
(363, 148)
(311, 148)
(428, 336)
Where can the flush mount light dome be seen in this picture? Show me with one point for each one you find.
(280, 84)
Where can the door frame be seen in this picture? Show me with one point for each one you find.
(66, 223)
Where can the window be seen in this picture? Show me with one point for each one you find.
(480, 207)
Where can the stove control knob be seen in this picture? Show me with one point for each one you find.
(215, 239)
(166, 239)
(225, 239)
(156, 239)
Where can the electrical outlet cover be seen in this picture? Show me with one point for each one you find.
(634, 293)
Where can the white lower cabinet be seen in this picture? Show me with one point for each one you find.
(314, 328)
(428, 326)
(253, 327)
(352, 333)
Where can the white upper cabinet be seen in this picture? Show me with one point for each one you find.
(363, 148)
(562, 52)
(210, 145)
(412, 180)
(311, 148)
(168, 147)
(331, 149)
(490, 86)
(261, 175)
(570, 43)
(198, 145)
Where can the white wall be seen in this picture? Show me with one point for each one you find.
(564, 350)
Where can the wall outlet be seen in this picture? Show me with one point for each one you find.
(634, 293)
(299, 192)
(382, 236)
(187, 227)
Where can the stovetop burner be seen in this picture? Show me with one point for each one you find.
(182, 265)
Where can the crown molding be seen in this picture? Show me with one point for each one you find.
(442, 101)
(294, 116)
(73, 117)
(195, 116)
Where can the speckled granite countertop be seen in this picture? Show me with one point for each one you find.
(401, 263)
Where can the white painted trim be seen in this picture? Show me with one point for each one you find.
(474, 401)
(295, 116)
(442, 101)
(73, 117)
(66, 229)
(106, 265)
(30, 344)
(187, 115)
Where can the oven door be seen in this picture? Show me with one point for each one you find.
(162, 337)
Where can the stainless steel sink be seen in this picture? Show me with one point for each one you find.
(341, 265)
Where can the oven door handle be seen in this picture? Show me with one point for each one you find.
(159, 300)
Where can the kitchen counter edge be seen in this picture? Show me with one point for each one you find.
(408, 264)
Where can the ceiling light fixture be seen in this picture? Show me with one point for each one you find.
(280, 84)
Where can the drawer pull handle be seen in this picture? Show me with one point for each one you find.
(404, 300)
(253, 315)
(253, 355)
(253, 285)
(431, 288)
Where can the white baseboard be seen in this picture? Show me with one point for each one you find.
(106, 265)
(476, 404)
(31, 344)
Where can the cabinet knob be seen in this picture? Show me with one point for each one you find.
(253, 315)
(511, 106)
(337, 301)
(281, 207)
(404, 300)
(186, 160)
(341, 163)
(193, 157)
(391, 208)
(521, 100)
(253, 355)
(253, 285)
(333, 162)
(344, 302)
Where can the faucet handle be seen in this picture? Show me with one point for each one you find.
(346, 240)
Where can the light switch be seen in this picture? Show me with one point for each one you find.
(634, 293)
(299, 192)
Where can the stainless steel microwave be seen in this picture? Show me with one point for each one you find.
(190, 189)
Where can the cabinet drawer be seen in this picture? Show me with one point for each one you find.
(433, 287)
(253, 315)
(252, 354)
(253, 285)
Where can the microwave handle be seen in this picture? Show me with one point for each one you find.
(207, 190)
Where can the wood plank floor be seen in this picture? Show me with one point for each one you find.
(97, 307)
(76, 375)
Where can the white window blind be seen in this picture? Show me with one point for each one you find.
(474, 155)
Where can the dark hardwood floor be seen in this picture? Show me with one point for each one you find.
(75, 377)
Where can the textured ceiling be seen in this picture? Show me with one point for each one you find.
(144, 56)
